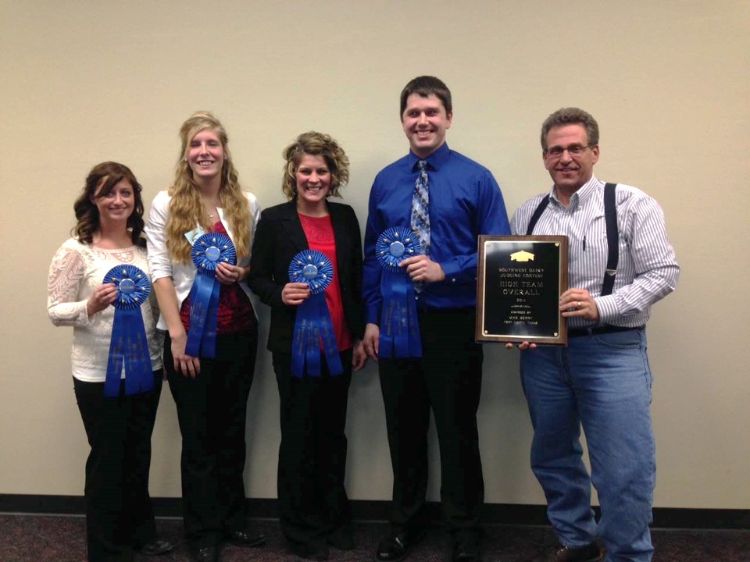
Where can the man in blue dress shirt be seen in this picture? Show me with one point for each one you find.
(464, 201)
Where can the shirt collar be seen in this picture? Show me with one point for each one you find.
(582, 195)
(434, 160)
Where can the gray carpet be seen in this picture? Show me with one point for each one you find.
(42, 538)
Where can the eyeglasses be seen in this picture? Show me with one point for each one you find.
(556, 152)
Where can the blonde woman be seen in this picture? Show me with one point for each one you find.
(210, 389)
(118, 424)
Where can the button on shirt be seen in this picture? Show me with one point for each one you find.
(465, 201)
(647, 270)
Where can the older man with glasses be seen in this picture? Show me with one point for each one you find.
(620, 263)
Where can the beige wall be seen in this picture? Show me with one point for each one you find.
(669, 81)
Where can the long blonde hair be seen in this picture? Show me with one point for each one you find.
(186, 209)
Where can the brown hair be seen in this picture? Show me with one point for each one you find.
(103, 177)
(426, 86)
(571, 116)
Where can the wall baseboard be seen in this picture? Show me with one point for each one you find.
(377, 510)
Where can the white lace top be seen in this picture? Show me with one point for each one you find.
(76, 270)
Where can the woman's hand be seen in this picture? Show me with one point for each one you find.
(294, 294)
(184, 364)
(227, 274)
(101, 298)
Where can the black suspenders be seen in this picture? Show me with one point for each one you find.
(537, 213)
(613, 251)
(610, 217)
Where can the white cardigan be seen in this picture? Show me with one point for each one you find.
(183, 274)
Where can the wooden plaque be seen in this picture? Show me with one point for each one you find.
(519, 283)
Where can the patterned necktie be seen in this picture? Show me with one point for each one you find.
(420, 208)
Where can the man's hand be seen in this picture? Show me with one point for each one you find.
(359, 356)
(523, 346)
(574, 303)
(371, 341)
(423, 269)
(578, 303)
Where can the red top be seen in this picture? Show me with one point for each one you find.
(235, 310)
(319, 234)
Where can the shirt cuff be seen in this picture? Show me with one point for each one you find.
(607, 308)
(451, 270)
(372, 314)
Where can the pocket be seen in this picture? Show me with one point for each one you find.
(630, 339)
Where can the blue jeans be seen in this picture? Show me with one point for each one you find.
(603, 383)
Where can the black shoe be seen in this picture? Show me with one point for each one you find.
(397, 547)
(465, 551)
(204, 554)
(592, 552)
(156, 547)
(245, 538)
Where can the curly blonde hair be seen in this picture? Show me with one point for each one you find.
(313, 143)
(186, 209)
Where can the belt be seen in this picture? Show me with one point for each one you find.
(577, 332)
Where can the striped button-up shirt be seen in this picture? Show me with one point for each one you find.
(647, 270)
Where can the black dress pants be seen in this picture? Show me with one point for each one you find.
(119, 515)
(312, 454)
(211, 410)
(448, 380)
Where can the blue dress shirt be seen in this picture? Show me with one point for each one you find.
(465, 201)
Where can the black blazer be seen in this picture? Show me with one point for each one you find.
(278, 238)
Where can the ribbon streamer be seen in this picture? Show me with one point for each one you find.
(208, 252)
(399, 323)
(313, 327)
(128, 347)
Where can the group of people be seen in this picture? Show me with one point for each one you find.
(407, 303)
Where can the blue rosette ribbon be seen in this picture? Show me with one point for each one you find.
(399, 323)
(209, 250)
(128, 347)
(313, 327)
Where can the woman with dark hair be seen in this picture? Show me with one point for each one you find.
(212, 339)
(314, 509)
(119, 515)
